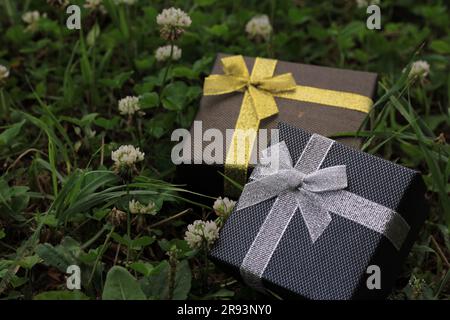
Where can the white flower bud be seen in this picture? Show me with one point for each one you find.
(419, 69)
(200, 233)
(163, 53)
(223, 207)
(95, 5)
(4, 72)
(129, 106)
(173, 17)
(259, 27)
(172, 22)
(138, 208)
(126, 155)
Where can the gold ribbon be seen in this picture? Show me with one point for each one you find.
(260, 89)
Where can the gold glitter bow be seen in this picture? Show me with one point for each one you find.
(260, 89)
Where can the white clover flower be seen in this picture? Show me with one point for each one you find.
(173, 17)
(32, 18)
(126, 155)
(138, 208)
(93, 4)
(172, 22)
(4, 72)
(366, 3)
(419, 69)
(259, 27)
(129, 106)
(163, 53)
(223, 207)
(201, 232)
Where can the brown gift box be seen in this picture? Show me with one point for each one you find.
(221, 112)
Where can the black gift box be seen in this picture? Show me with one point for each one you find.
(335, 266)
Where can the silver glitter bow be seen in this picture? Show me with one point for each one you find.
(315, 193)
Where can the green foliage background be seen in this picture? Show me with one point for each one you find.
(59, 123)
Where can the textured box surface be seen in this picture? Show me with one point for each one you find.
(333, 267)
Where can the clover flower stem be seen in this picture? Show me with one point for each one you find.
(205, 266)
(132, 50)
(5, 110)
(272, 18)
(116, 256)
(424, 100)
(169, 63)
(100, 254)
(269, 43)
(176, 216)
(102, 150)
(128, 224)
(172, 277)
(137, 128)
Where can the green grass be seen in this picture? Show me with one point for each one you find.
(59, 123)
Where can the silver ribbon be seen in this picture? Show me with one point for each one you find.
(315, 192)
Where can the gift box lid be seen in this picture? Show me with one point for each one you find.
(223, 112)
(335, 265)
